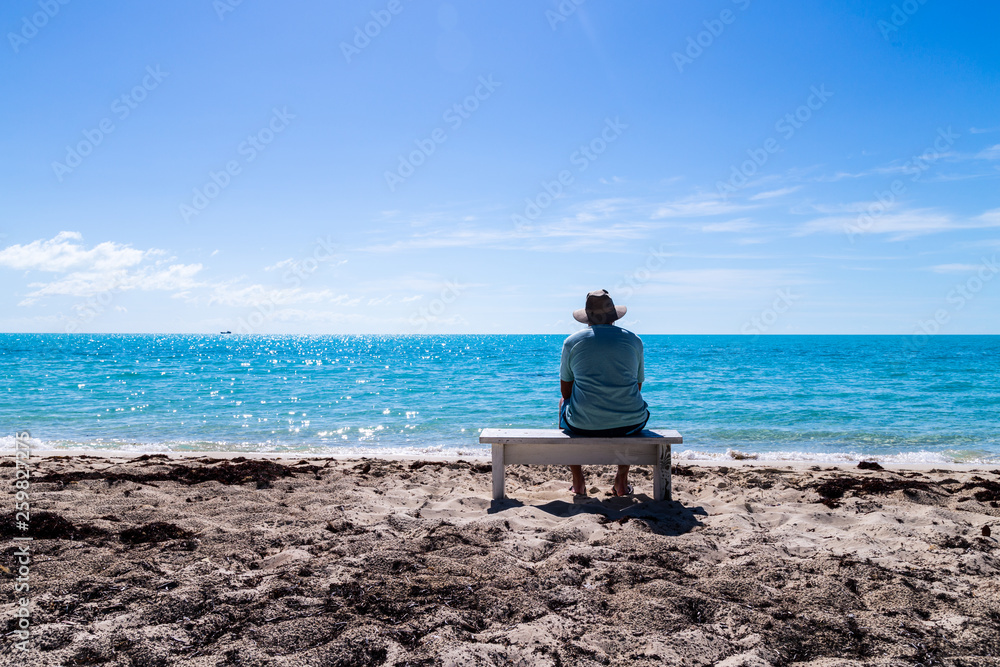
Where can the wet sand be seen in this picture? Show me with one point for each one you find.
(202, 561)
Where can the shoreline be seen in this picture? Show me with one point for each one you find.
(485, 457)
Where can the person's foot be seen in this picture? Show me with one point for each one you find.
(579, 491)
(621, 486)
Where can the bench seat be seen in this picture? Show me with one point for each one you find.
(528, 446)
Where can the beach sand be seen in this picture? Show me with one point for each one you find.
(153, 561)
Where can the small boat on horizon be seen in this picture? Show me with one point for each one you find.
(225, 332)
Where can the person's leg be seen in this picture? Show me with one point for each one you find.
(579, 483)
(621, 479)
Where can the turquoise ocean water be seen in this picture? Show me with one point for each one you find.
(825, 398)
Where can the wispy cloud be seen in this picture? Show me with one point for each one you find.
(920, 165)
(565, 235)
(600, 209)
(283, 264)
(696, 206)
(955, 268)
(951, 177)
(739, 225)
(990, 218)
(317, 316)
(232, 294)
(82, 284)
(721, 283)
(841, 175)
(772, 194)
(830, 209)
(902, 224)
(991, 153)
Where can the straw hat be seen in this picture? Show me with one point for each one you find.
(600, 309)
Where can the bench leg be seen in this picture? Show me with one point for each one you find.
(661, 474)
(497, 472)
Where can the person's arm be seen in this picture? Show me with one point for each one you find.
(641, 371)
(565, 372)
(566, 388)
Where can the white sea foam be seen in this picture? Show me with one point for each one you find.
(7, 443)
(479, 452)
(194, 447)
(918, 457)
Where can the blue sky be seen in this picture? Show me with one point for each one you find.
(719, 167)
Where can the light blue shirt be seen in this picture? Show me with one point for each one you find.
(604, 363)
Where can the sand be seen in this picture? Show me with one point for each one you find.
(152, 561)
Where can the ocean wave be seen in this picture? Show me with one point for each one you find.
(917, 457)
(7, 442)
(110, 447)
(101, 446)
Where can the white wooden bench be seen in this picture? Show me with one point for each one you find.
(528, 446)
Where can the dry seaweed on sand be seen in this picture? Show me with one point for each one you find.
(418, 567)
(236, 471)
(832, 490)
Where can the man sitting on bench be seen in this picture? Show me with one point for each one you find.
(600, 376)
